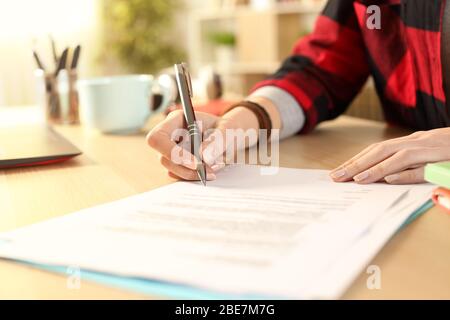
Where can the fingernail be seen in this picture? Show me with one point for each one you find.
(210, 176)
(217, 167)
(189, 164)
(208, 155)
(362, 176)
(392, 178)
(338, 174)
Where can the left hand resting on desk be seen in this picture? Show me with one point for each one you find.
(397, 161)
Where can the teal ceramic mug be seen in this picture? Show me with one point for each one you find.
(118, 104)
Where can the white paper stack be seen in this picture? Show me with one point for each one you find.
(289, 234)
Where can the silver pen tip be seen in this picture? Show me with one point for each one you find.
(201, 171)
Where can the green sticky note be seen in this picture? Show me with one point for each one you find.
(438, 173)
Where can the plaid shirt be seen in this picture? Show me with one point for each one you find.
(329, 67)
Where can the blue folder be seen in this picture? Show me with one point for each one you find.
(154, 287)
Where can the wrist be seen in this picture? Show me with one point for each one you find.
(270, 108)
(242, 118)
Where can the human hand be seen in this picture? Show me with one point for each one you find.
(172, 142)
(396, 161)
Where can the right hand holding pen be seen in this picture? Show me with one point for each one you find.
(173, 147)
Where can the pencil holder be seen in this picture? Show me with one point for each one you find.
(58, 96)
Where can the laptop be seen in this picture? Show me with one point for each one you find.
(32, 146)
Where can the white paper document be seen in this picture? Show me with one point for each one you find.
(294, 234)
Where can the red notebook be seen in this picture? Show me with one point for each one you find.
(32, 146)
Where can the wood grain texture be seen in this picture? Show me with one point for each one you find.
(414, 264)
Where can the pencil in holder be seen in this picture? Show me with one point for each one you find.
(58, 96)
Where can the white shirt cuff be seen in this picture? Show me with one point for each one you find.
(291, 114)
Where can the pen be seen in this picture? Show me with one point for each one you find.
(62, 62)
(185, 90)
(38, 60)
(75, 58)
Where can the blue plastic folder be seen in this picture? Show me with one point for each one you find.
(178, 291)
(153, 287)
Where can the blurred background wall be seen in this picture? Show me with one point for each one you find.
(243, 40)
(27, 23)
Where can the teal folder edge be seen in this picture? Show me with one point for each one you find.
(152, 287)
(420, 211)
(176, 291)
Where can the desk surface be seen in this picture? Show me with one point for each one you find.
(414, 264)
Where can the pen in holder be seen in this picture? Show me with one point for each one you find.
(58, 96)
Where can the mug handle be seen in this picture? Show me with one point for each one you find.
(159, 96)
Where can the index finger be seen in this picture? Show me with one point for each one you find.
(160, 138)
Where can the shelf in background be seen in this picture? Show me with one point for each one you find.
(280, 9)
(264, 38)
(248, 68)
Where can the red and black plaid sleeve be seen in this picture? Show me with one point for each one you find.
(404, 57)
(327, 68)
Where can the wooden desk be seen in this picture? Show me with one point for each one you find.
(414, 264)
